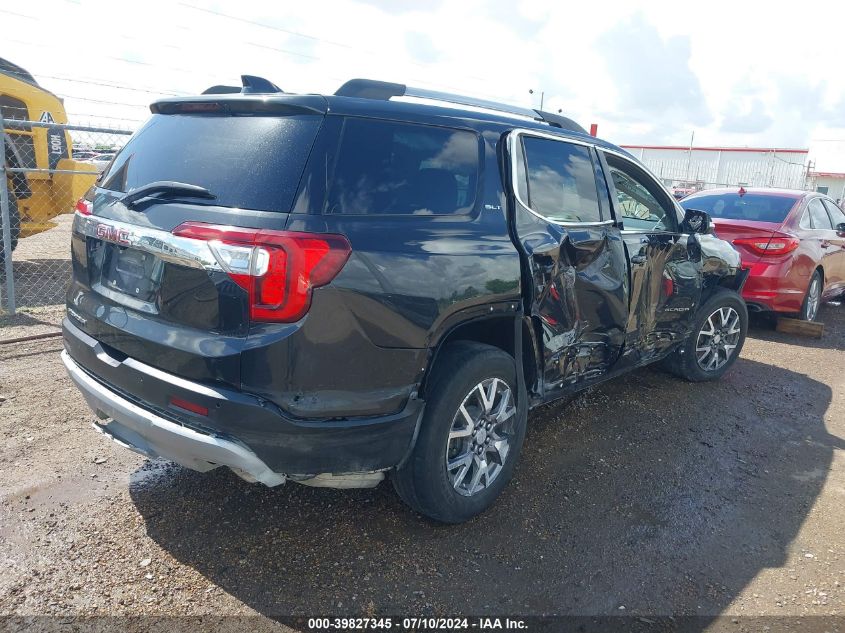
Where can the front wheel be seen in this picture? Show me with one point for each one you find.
(717, 337)
(470, 436)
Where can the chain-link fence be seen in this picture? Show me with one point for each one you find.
(762, 173)
(755, 169)
(47, 167)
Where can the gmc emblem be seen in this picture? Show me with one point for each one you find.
(113, 234)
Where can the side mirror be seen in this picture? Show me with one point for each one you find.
(696, 221)
(840, 229)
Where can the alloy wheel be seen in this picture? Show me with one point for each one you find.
(718, 338)
(814, 295)
(480, 436)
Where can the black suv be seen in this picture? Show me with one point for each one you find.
(329, 289)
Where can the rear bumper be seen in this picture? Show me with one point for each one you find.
(774, 286)
(154, 436)
(242, 431)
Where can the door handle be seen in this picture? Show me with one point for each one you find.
(825, 244)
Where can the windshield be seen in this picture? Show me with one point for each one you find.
(249, 162)
(750, 206)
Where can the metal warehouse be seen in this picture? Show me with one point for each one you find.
(695, 168)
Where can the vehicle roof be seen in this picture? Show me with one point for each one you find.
(354, 105)
(405, 110)
(760, 191)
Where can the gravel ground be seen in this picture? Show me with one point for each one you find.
(646, 496)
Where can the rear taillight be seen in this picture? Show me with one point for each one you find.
(774, 245)
(278, 269)
(84, 207)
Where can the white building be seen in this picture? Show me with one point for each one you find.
(831, 183)
(710, 167)
(827, 162)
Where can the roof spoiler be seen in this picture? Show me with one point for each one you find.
(251, 85)
(221, 90)
(383, 91)
(258, 85)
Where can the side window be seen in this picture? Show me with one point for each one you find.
(638, 200)
(837, 216)
(560, 183)
(391, 168)
(805, 222)
(818, 215)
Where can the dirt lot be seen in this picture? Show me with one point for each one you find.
(647, 496)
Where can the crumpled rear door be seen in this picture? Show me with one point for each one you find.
(579, 278)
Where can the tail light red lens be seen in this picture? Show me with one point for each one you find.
(187, 405)
(84, 207)
(278, 269)
(774, 245)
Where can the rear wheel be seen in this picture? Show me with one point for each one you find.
(716, 340)
(470, 437)
(813, 298)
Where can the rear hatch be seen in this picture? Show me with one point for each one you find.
(149, 281)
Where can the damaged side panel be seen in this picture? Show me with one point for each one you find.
(665, 290)
(577, 299)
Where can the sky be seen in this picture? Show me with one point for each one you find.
(737, 73)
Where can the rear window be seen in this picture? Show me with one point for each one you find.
(391, 168)
(248, 162)
(750, 206)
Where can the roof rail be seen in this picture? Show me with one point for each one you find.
(383, 91)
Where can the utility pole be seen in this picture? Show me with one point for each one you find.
(689, 157)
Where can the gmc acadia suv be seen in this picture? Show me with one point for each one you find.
(329, 289)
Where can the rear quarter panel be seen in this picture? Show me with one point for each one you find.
(365, 344)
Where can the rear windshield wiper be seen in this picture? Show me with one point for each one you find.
(166, 189)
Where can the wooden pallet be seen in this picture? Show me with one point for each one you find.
(813, 329)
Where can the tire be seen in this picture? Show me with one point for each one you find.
(723, 312)
(810, 305)
(16, 228)
(455, 495)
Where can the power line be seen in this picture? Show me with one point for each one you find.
(111, 85)
(272, 28)
(216, 77)
(84, 115)
(106, 101)
(309, 37)
(191, 71)
(20, 15)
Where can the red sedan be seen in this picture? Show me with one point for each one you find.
(792, 241)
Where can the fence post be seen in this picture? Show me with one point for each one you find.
(5, 215)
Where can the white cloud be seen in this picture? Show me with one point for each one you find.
(738, 73)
